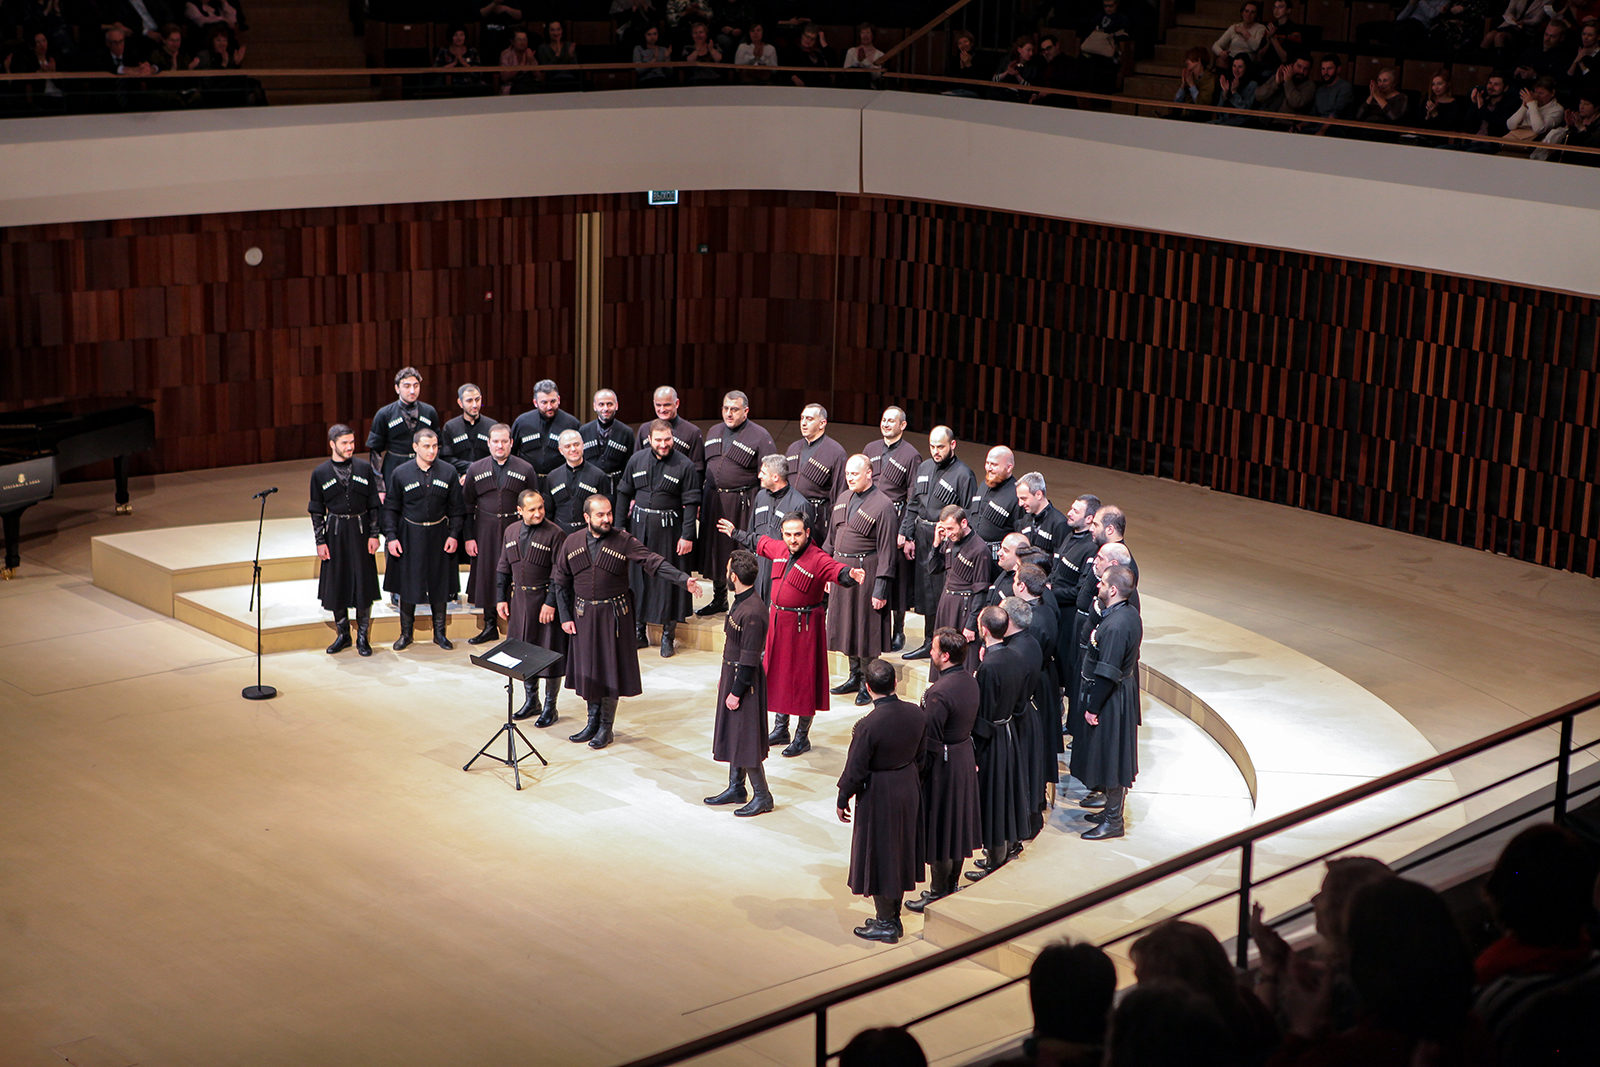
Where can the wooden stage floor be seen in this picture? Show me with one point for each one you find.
(190, 878)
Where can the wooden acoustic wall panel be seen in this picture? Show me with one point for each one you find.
(252, 363)
(1452, 408)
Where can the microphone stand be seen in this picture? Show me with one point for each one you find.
(259, 691)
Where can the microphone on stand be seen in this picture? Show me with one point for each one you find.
(265, 493)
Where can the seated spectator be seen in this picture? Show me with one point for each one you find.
(1191, 955)
(651, 50)
(888, 1046)
(704, 53)
(1335, 97)
(496, 19)
(226, 53)
(1493, 106)
(1585, 65)
(1408, 33)
(519, 54)
(632, 18)
(1055, 72)
(457, 56)
(1540, 895)
(964, 62)
(1284, 39)
(38, 57)
(1289, 89)
(116, 58)
(203, 14)
(557, 51)
(681, 17)
(141, 19)
(1163, 1023)
(1412, 979)
(1583, 129)
(1521, 24)
(1101, 47)
(1237, 90)
(1020, 68)
(1070, 988)
(1248, 35)
(1445, 112)
(1550, 56)
(173, 54)
(1385, 103)
(1540, 112)
(812, 51)
(1196, 84)
(756, 52)
(864, 58)
(731, 27)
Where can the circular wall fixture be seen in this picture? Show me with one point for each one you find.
(252, 256)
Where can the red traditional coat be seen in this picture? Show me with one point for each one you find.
(797, 635)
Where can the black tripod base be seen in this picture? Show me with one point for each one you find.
(510, 759)
(259, 692)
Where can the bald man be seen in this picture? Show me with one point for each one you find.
(572, 482)
(894, 471)
(816, 468)
(686, 436)
(607, 440)
(941, 480)
(862, 535)
(994, 508)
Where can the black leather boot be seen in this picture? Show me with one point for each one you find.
(440, 621)
(641, 636)
(608, 716)
(1110, 824)
(863, 698)
(489, 632)
(1094, 798)
(851, 684)
(735, 793)
(668, 647)
(718, 604)
(364, 630)
(922, 650)
(898, 641)
(761, 797)
(548, 715)
(408, 622)
(588, 732)
(802, 736)
(341, 634)
(780, 731)
(530, 695)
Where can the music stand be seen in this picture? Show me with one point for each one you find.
(518, 661)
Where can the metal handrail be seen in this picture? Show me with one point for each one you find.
(1242, 841)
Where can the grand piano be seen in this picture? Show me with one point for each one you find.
(39, 444)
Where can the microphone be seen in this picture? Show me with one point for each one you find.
(264, 493)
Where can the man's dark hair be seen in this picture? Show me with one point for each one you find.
(1091, 503)
(338, 430)
(593, 499)
(994, 621)
(1333, 57)
(464, 388)
(660, 424)
(1071, 988)
(879, 677)
(407, 372)
(1032, 555)
(1409, 966)
(1121, 579)
(888, 1046)
(525, 497)
(950, 642)
(742, 562)
(953, 511)
(417, 437)
(1541, 887)
(1112, 516)
(1160, 1023)
(1031, 577)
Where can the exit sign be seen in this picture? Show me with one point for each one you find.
(662, 197)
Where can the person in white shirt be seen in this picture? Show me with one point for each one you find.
(865, 55)
(1243, 37)
(756, 52)
(1540, 112)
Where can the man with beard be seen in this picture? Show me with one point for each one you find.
(863, 534)
(964, 560)
(880, 774)
(493, 486)
(465, 438)
(1111, 701)
(816, 468)
(1004, 681)
(733, 452)
(774, 502)
(951, 822)
(994, 510)
(344, 520)
(567, 486)
(590, 587)
(1046, 528)
(797, 652)
(422, 518)
(941, 480)
(1288, 89)
(894, 463)
(607, 440)
(522, 596)
(686, 437)
(1111, 554)
(1110, 526)
(395, 426)
(1013, 547)
(739, 733)
(658, 495)
(536, 434)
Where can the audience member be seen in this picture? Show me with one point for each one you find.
(1586, 60)
(1161, 1023)
(203, 14)
(756, 52)
(172, 54)
(681, 17)
(1493, 105)
(1246, 36)
(964, 62)
(1583, 129)
(703, 52)
(497, 20)
(1335, 97)
(1289, 89)
(888, 1046)
(1196, 83)
(1443, 111)
(1385, 103)
(631, 18)
(1020, 69)
(1284, 38)
(1521, 24)
(1549, 56)
(557, 52)
(1101, 45)
(1236, 89)
(520, 54)
(459, 56)
(38, 58)
(1408, 33)
(812, 51)
(226, 53)
(1070, 988)
(865, 58)
(1055, 72)
(1191, 955)
(1540, 112)
(732, 25)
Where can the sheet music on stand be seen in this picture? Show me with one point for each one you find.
(518, 661)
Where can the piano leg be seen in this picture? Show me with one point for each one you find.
(120, 465)
(13, 530)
